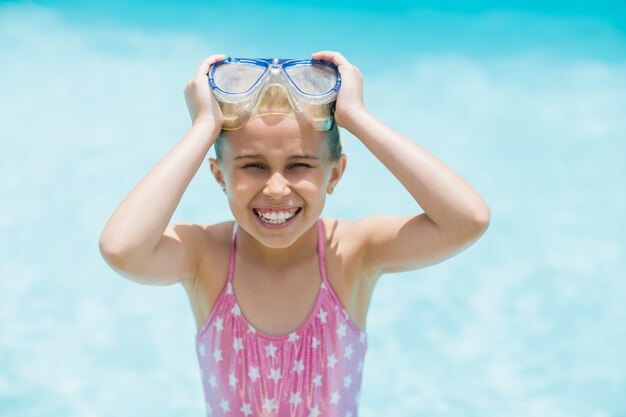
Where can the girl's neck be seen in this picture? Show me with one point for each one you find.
(279, 258)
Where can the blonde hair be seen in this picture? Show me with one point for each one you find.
(275, 101)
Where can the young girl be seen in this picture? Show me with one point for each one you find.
(280, 296)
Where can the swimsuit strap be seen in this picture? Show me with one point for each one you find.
(320, 250)
(231, 265)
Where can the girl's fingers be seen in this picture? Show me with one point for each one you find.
(334, 57)
(203, 69)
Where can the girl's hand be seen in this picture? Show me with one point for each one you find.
(350, 96)
(199, 98)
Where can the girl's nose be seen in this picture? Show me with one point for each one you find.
(277, 187)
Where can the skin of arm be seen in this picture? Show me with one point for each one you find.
(447, 198)
(137, 225)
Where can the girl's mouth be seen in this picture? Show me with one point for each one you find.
(274, 221)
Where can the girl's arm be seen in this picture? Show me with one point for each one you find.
(136, 240)
(455, 214)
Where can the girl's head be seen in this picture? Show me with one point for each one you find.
(275, 162)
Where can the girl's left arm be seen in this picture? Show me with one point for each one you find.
(455, 214)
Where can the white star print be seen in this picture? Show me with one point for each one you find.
(251, 329)
(347, 380)
(341, 330)
(332, 360)
(317, 380)
(217, 354)
(335, 398)
(238, 344)
(315, 343)
(345, 314)
(236, 310)
(322, 315)
(233, 380)
(202, 350)
(348, 352)
(362, 338)
(253, 373)
(270, 404)
(229, 288)
(299, 366)
(218, 324)
(293, 337)
(349, 414)
(213, 381)
(224, 405)
(275, 374)
(314, 412)
(295, 399)
(246, 409)
(270, 349)
(209, 410)
(357, 396)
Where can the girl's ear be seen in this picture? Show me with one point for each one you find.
(217, 173)
(336, 173)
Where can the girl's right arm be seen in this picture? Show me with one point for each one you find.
(136, 241)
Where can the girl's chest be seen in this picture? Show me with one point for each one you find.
(279, 306)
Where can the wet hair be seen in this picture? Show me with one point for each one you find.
(276, 101)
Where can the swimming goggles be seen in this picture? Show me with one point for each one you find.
(240, 85)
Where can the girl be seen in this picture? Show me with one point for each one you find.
(280, 296)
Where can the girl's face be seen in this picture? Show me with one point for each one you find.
(274, 164)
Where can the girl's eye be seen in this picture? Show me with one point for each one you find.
(261, 166)
(253, 165)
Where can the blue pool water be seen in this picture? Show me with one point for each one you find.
(527, 104)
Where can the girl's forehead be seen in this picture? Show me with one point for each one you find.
(283, 139)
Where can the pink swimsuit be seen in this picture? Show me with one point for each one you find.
(314, 371)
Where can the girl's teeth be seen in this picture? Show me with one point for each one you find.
(276, 218)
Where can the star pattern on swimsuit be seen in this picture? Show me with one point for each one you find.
(224, 404)
(236, 310)
(217, 354)
(270, 350)
(270, 404)
(341, 330)
(237, 344)
(219, 324)
(232, 380)
(322, 315)
(275, 374)
(332, 360)
(314, 412)
(245, 409)
(212, 380)
(348, 352)
(315, 343)
(298, 366)
(253, 373)
(296, 398)
(347, 381)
